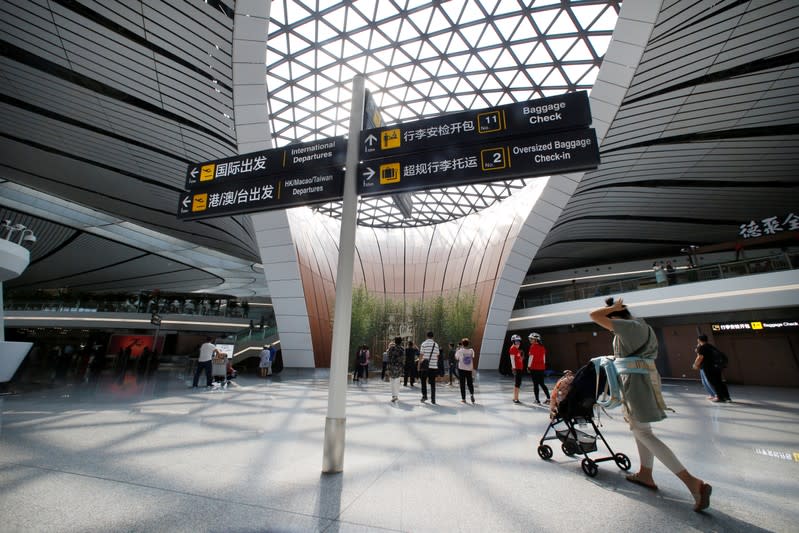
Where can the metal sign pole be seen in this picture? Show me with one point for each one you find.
(335, 423)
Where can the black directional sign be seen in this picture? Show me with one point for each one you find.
(522, 157)
(566, 111)
(276, 192)
(301, 157)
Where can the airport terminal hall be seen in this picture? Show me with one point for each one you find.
(418, 266)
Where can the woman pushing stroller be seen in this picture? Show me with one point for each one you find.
(643, 399)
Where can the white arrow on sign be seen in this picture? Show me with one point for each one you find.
(370, 140)
(186, 201)
(194, 172)
(368, 174)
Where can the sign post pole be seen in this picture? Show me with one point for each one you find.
(335, 423)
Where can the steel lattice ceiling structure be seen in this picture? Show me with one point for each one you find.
(424, 59)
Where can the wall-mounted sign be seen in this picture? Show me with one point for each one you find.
(565, 111)
(280, 192)
(756, 326)
(326, 153)
(768, 226)
(445, 166)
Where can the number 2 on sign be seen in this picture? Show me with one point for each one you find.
(494, 158)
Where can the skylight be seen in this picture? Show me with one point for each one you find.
(421, 59)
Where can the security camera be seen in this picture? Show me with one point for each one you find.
(27, 238)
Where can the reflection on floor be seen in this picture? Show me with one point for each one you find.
(157, 455)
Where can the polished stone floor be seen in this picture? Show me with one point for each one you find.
(158, 456)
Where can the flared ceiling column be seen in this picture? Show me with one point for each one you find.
(633, 28)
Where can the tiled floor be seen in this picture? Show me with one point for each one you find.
(161, 457)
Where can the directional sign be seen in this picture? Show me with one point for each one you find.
(235, 198)
(326, 153)
(558, 152)
(566, 111)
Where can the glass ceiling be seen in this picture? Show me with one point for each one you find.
(423, 59)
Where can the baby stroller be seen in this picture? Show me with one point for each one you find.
(222, 372)
(571, 412)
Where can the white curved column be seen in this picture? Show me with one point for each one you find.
(272, 230)
(633, 28)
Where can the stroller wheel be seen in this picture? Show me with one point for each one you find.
(569, 448)
(589, 467)
(622, 461)
(545, 452)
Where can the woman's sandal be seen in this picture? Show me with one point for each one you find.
(702, 498)
(633, 478)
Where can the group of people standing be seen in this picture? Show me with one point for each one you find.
(424, 363)
(536, 365)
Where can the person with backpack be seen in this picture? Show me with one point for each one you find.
(537, 365)
(712, 361)
(643, 400)
(465, 358)
(517, 365)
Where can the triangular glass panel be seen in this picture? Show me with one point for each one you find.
(606, 21)
(427, 51)
(457, 44)
(560, 46)
(507, 26)
(579, 52)
(438, 21)
(441, 42)
(586, 15)
(599, 43)
(420, 19)
(575, 73)
(355, 20)
(556, 79)
(471, 12)
(538, 74)
(490, 55)
(543, 19)
(540, 56)
(505, 7)
(563, 24)
(489, 37)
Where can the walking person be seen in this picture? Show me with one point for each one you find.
(385, 365)
(361, 363)
(207, 353)
(465, 358)
(395, 364)
(643, 400)
(537, 365)
(411, 361)
(517, 365)
(428, 366)
(709, 360)
(452, 362)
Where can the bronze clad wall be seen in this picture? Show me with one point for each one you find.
(411, 264)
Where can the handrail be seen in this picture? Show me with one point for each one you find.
(566, 292)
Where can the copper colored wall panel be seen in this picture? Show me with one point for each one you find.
(461, 256)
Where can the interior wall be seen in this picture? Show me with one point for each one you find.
(464, 255)
(768, 358)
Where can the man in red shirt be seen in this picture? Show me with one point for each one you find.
(537, 364)
(517, 364)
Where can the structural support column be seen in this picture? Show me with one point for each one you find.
(335, 423)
